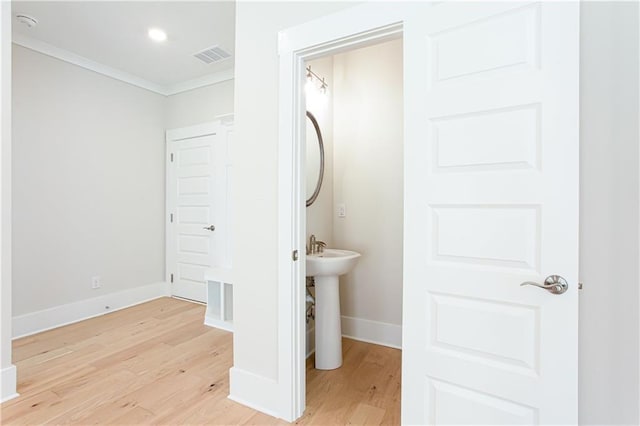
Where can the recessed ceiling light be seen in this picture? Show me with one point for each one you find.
(156, 34)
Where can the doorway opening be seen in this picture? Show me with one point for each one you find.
(356, 99)
(292, 193)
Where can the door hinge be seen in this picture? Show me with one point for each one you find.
(171, 277)
(294, 255)
(579, 286)
(172, 157)
(171, 217)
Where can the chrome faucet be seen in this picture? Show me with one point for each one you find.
(315, 246)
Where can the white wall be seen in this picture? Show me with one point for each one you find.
(368, 179)
(320, 213)
(255, 179)
(7, 370)
(199, 105)
(88, 183)
(609, 326)
(609, 135)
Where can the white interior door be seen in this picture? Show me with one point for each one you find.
(491, 201)
(197, 206)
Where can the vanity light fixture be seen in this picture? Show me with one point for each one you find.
(323, 87)
(156, 34)
(310, 78)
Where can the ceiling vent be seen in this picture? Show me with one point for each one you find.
(212, 54)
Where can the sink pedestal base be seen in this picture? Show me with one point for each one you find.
(328, 326)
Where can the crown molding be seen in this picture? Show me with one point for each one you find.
(81, 61)
(196, 83)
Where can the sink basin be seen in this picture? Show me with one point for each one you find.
(331, 262)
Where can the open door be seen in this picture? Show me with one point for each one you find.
(491, 201)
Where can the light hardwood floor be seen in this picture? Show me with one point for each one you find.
(156, 363)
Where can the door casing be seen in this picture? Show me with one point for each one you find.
(357, 27)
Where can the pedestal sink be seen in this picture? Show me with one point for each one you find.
(325, 268)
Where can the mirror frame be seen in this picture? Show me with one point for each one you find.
(316, 192)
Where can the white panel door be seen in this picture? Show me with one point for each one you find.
(197, 206)
(491, 202)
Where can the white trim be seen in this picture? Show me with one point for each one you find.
(216, 313)
(226, 119)
(291, 301)
(8, 374)
(8, 378)
(376, 332)
(81, 61)
(196, 83)
(258, 392)
(36, 322)
(220, 274)
(216, 323)
(195, 131)
(351, 28)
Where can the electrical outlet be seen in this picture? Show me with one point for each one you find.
(96, 282)
(342, 210)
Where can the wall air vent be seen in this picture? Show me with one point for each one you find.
(212, 54)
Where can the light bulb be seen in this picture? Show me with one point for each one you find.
(156, 34)
(309, 87)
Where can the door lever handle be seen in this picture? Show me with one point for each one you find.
(210, 228)
(553, 284)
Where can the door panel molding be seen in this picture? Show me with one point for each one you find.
(198, 166)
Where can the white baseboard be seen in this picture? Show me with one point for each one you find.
(216, 323)
(257, 392)
(36, 322)
(8, 378)
(379, 333)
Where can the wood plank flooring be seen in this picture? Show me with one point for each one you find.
(156, 363)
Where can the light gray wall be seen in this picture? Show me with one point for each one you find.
(88, 183)
(609, 302)
(199, 105)
(368, 168)
(609, 327)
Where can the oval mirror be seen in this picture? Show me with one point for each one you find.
(315, 159)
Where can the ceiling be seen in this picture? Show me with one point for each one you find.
(114, 34)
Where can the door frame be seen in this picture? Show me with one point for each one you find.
(356, 27)
(221, 125)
